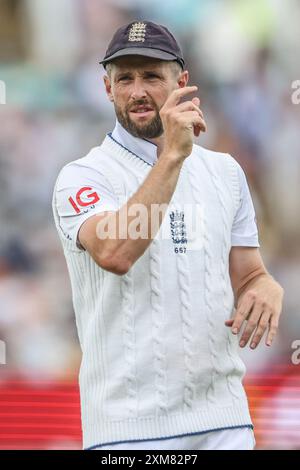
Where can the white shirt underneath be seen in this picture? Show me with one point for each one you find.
(227, 439)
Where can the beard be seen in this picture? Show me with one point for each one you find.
(149, 130)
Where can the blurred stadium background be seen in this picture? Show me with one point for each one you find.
(244, 56)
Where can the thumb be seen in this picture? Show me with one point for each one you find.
(229, 322)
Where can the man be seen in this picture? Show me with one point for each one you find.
(154, 297)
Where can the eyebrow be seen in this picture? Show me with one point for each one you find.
(145, 72)
(155, 72)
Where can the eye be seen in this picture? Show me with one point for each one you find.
(124, 78)
(152, 75)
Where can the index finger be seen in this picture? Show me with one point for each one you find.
(241, 314)
(177, 94)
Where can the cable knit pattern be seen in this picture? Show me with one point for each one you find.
(160, 364)
(208, 282)
(127, 291)
(224, 262)
(129, 342)
(158, 319)
(188, 327)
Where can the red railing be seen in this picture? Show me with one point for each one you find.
(39, 415)
(46, 415)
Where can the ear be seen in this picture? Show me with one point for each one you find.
(107, 84)
(183, 79)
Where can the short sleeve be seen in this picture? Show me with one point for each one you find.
(244, 229)
(80, 193)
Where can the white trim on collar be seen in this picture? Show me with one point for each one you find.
(145, 149)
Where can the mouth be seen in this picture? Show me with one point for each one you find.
(142, 111)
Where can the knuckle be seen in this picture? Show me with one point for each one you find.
(274, 328)
(238, 319)
(251, 294)
(274, 323)
(176, 92)
(241, 315)
(268, 306)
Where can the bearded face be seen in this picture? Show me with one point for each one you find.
(139, 87)
(141, 119)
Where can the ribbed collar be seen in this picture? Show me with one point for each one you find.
(140, 147)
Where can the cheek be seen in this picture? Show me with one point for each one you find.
(160, 96)
(161, 99)
(122, 98)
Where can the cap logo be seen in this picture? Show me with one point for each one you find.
(137, 32)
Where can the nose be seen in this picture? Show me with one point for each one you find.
(138, 89)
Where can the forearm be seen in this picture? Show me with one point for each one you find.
(148, 205)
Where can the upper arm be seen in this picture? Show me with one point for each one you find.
(89, 236)
(98, 235)
(244, 264)
(81, 193)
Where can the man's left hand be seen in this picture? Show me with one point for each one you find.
(261, 306)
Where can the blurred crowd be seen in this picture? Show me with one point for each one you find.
(244, 57)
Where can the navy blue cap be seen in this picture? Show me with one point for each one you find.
(146, 39)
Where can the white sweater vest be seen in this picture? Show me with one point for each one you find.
(157, 359)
